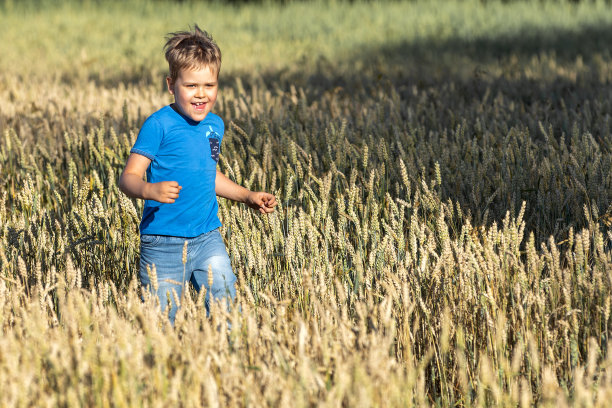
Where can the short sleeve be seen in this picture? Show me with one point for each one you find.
(149, 139)
(221, 127)
(220, 131)
(215, 126)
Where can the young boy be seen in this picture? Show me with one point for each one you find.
(178, 147)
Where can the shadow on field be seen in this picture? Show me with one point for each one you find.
(431, 61)
(561, 69)
(566, 45)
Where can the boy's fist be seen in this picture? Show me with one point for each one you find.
(164, 191)
(261, 201)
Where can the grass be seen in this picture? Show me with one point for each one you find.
(443, 236)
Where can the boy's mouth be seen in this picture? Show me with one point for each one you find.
(199, 105)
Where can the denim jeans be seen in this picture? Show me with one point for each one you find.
(166, 253)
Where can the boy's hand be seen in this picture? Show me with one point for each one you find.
(164, 191)
(261, 201)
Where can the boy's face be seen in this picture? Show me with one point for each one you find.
(195, 92)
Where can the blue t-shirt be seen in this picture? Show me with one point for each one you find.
(185, 151)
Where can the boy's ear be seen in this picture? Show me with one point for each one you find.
(170, 85)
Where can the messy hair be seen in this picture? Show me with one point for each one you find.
(191, 50)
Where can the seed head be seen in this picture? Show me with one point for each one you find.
(210, 276)
(185, 253)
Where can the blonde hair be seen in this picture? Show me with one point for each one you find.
(191, 50)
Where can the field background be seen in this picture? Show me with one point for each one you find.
(444, 229)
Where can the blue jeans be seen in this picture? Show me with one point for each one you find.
(166, 253)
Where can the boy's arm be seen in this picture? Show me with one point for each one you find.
(132, 184)
(257, 200)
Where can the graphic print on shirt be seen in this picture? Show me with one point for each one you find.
(213, 139)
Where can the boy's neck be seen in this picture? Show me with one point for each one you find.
(187, 118)
(176, 109)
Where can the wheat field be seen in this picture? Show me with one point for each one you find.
(444, 228)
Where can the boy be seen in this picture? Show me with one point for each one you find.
(178, 147)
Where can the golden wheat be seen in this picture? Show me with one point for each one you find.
(442, 238)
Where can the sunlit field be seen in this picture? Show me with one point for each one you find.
(444, 228)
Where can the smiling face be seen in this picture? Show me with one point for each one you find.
(195, 91)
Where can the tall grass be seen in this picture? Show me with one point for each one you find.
(444, 229)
